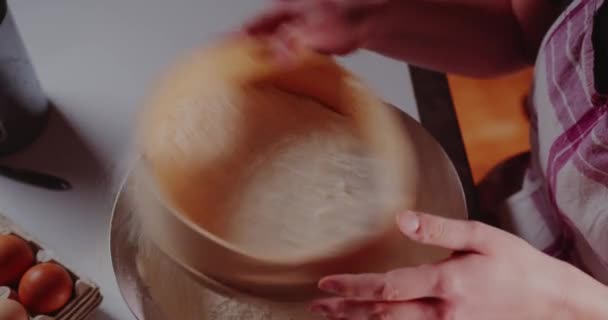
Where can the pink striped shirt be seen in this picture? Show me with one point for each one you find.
(562, 208)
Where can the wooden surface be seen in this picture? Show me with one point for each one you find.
(479, 123)
(492, 118)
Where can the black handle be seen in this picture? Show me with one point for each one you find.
(37, 179)
(3, 9)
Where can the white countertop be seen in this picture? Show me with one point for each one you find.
(96, 59)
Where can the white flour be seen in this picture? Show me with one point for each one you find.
(179, 297)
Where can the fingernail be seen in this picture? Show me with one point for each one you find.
(408, 222)
(331, 286)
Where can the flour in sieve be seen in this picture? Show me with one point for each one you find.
(312, 186)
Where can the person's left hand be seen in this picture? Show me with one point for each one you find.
(492, 275)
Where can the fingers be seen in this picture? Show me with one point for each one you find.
(347, 4)
(269, 22)
(400, 285)
(338, 41)
(325, 26)
(452, 234)
(338, 308)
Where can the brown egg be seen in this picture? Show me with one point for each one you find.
(16, 256)
(45, 288)
(12, 310)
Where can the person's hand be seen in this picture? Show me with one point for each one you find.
(328, 26)
(492, 275)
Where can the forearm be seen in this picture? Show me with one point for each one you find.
(470, 37)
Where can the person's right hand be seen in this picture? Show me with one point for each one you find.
(327, 26)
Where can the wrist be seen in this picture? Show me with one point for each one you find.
(585, 298)
(378, 25)
(391, 26)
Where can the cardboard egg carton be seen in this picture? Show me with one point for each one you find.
(86, 296)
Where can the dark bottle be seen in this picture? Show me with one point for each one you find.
(23, 106)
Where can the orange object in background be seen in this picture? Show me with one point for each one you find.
(492, 118)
